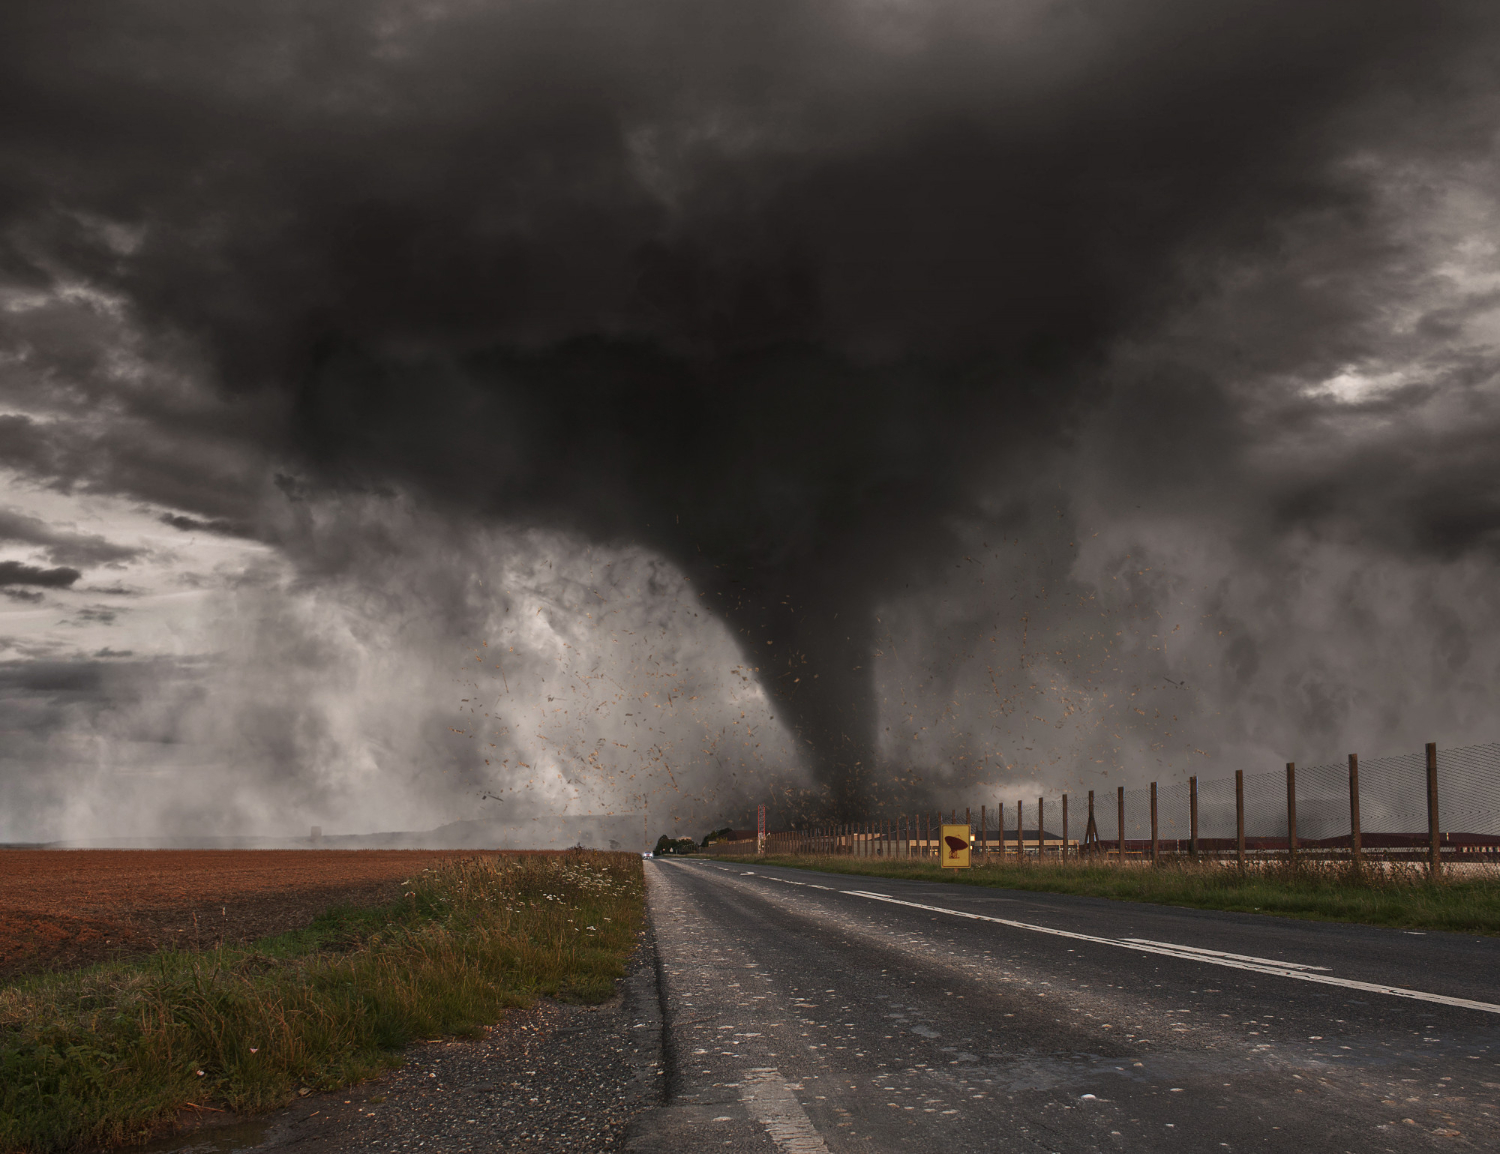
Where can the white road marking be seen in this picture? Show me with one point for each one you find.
(1190, 954)
(771, 1102)
(1222, 954)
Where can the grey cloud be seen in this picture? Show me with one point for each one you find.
(71, 678)
(17, 573)
(193, 525)
(96, 615)
(62, 547)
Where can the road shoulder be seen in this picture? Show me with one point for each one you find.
(554, 1077)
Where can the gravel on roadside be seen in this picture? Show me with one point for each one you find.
(552, 1078)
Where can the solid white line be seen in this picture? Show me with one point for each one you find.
(1222, 954)
(1188, 953)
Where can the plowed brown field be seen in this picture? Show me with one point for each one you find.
(63, 908)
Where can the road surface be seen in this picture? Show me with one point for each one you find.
(814, 1012)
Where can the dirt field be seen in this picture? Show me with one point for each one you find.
(64, 908)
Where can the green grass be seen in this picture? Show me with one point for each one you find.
(1400, 896)
(113, 1053)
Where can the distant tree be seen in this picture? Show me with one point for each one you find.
(670, 845)
(716, 835)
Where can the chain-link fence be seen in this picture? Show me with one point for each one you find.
(1378, 808)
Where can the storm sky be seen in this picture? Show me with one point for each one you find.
(414, 412)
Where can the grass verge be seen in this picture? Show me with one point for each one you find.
(113, 1053)
(1400, 896)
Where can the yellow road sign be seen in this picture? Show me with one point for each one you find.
(955, 854)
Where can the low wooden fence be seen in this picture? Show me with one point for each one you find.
(1390, 809)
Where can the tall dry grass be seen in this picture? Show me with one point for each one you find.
(112, 1053)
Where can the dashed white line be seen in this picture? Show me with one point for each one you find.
(770, 1102)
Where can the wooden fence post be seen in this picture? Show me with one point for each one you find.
(1120, 828)
(984, 832)
(1434, 842)
(1065, 828)
(1354, 832)
(1020, 831)
(1239, 817)
(1193, 816)
(1154, 850)
(1041, 834)
(1000, 821)
(1291, 811)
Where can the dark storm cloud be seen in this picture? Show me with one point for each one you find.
(17, 573)
(780, 290)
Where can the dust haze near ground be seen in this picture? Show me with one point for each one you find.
(977, 401)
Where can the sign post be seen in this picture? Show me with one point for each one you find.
(955, 847)
(760, 829)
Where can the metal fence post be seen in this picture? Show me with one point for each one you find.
(1041, 835)
(1065, 828)
(1120, 827)
(1239, 816)
(1020, 830)
(1000, 837)
(1193, 816)
(1153, 824)
(1291, 811)
(1434, 842)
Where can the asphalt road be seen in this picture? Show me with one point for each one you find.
(810, 1012)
